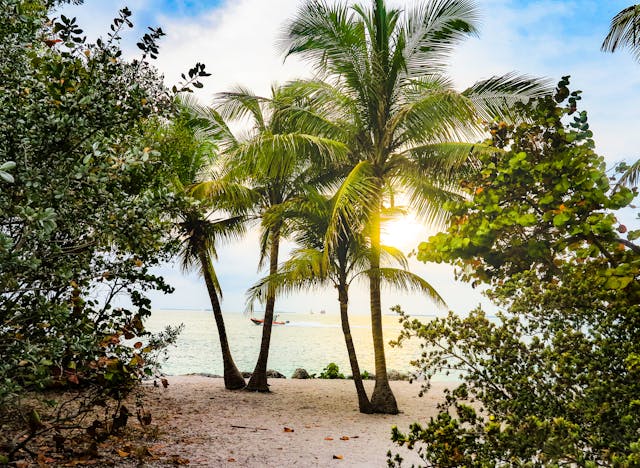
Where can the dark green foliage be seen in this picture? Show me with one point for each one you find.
(553, 379)
(332, 371)
(84, 209)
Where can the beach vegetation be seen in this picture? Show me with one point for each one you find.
(84, 204)
(408, 131)
(331, 371)
(552, 378)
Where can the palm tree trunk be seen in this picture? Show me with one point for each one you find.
(258, 380)
(233, 379)
(382, 397)
(363, 401)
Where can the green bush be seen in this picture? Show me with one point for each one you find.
(553, 379)
(332, 371)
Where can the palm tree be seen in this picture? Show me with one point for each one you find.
(188, 141)
(397, 112)
(312, 265)
(624, 31)
(278, 162)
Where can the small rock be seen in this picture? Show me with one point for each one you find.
(274, 374)
(397, 375)
(246, 375)
(300, 373)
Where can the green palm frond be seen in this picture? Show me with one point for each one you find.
(432, 30)
(439, 116)
(350, 201)
(224, 194)
(305, 269)
(494, 97)
(241, 104)
(427, 190)
(403, 280)
(277, 156)
(390, 254)
(624, 32)
(631, 176)
(448, 160)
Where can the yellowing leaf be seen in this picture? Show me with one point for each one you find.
(288, 429)
(338, 457)
(123, 454)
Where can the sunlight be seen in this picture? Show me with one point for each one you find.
(404, 232)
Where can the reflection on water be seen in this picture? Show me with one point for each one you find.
(310, 341)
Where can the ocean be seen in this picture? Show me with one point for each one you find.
(310, 341)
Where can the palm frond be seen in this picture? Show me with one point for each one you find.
(240, 104)
(631, 176)
(305, 269)
(624, 32)
(407, 281)
(494, 97)
(350, 201)
(432, 30)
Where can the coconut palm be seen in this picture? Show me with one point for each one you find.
(397, 112)
(278, 162)
(188, 142)
(311, 265)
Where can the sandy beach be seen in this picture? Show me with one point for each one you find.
(300, 423)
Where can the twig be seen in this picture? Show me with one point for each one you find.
(247, 427)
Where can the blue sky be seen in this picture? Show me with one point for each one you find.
(236, 40)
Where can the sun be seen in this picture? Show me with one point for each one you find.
(404, 233)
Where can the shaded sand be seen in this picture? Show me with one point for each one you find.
(199, 421)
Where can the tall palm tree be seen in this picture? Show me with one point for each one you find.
(624, 32)
(188, 141)
(278, 162)
(312, 265)
(397, 112)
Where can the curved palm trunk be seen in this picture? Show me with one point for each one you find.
(233, 379)
(363, 401)
(382, 397)
(258, 380)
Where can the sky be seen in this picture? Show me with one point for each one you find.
(237, 42)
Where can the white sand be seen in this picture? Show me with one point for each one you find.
(196, 416)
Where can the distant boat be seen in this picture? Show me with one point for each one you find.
(323, 311)
(261, 321)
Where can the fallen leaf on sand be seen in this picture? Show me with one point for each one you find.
(338, 457)
(328, 438)
(288, 429)
(165, 383)
(123, 454)
(344, 438)
(231, 459)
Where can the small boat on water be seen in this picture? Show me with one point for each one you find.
(261, 321)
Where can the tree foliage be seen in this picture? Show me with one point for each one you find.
(553, 379)
(84, 204)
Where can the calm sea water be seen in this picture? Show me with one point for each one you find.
(310, 341)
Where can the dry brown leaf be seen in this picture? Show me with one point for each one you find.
(288, 429)
(328, 438)
(165, 382)
(123, 454)
(344, 438)
(338, 457)
(231, 459)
